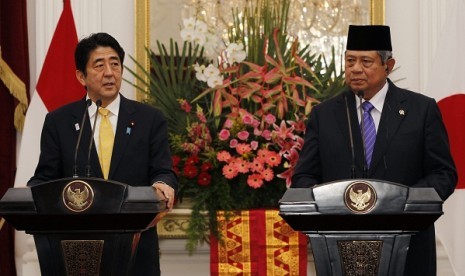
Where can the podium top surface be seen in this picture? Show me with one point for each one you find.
(360, 204)
(81, 203)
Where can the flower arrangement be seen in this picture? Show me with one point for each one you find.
(236, 123)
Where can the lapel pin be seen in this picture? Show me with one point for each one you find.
(402, 112)
(76, 126)
(129, 128)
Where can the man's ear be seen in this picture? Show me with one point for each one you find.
(390, 65)
(81, 78)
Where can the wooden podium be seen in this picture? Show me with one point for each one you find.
(83, 226)
(360, 226)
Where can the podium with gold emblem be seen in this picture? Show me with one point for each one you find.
(360, 226)
(83, 226)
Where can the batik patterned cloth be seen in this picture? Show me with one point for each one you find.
(257, 242)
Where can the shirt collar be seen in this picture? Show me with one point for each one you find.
(378, 99)
(113, 107)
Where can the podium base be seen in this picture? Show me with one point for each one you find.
(90, 254)
(360, 254)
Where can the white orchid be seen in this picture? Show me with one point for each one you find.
(199, 72)
(199, 38)
(188, 35)
(201, 26)
(189, 23)
(235, 53)
(211, 71)
(215, 81)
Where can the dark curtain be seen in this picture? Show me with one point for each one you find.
(14, 51)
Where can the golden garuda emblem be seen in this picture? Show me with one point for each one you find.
(78, 196)
(360, 197)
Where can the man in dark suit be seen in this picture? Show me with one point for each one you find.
(140, 154)
(411, 145)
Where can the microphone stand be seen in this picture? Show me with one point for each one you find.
(83, 121)
(353, 174)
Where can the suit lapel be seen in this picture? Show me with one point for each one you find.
(123, 133)
(394, 110)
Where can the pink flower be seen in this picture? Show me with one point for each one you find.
(233, 143)
(266, 134)
(287, 175)
(242, 135)
(230, 171)
(184, 105)
(254, 145)
(255, 180)
(247, 119)
(293, 157)
(241, 165)
(257, 165)
(223, 156)
(257, 132)
(243, 148)
(283, 131)
(273, 159)
(201, 115)
(255, 123)
(299, 124)
(267, 174)
(270, 119)
(228, 123)
(224, 134)
(263, 154)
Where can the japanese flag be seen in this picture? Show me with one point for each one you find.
(447, 85)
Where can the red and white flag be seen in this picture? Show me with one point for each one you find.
(447, 85)
(57, 85)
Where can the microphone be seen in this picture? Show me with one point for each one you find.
(360, 95)
(98, 103)
(353, 174)
(83, 121)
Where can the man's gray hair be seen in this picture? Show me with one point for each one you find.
(384, 55)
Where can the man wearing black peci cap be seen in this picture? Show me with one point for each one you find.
(404, 138)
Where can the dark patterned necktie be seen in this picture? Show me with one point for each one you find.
(369, 132)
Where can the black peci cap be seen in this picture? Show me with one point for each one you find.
(369, 37)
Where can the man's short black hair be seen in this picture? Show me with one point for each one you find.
(90, 43)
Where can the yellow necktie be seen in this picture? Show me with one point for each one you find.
(107, 139)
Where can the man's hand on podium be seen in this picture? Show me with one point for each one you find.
(166, 191)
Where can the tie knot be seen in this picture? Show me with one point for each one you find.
(367, 106)
(103, 111)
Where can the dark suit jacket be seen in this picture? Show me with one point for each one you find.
(411, 148)
(140, 157)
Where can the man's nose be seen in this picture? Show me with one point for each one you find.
(357, 67)
(107, 70)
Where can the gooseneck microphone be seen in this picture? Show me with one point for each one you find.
(353, 174)
(83, 121)
(98, 103)
(360, 95)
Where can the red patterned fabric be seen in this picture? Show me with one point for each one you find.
(257, 242)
